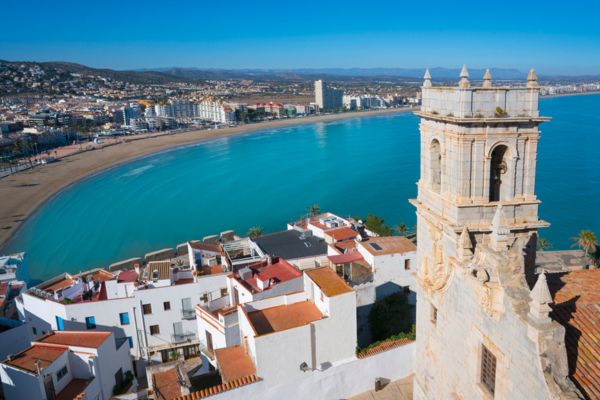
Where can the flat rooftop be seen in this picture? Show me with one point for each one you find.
(46, 355)
(384, 245)
(291, 244)
(281, 318)
(234, 363)
(328, 281)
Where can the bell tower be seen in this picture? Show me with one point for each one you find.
(476, 209)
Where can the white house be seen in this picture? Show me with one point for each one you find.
(152, 308)
(218, 320)
(67, 365)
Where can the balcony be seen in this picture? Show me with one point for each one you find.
(181, 337)
(188, 313)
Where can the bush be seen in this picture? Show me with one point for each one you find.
(389, 316)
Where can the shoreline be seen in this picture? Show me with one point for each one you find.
(553, 96)
(26, 191)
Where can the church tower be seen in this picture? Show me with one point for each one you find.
(477, 222)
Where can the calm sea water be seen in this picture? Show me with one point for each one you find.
(351, 167)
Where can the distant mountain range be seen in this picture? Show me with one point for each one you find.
(178, 74)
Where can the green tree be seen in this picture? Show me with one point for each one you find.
(377, 224)
(402, 229)
(255, 232)
(543, 244)
(314, 210)
(390, 316)
(587, 241)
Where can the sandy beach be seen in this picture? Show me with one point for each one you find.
(22, 193)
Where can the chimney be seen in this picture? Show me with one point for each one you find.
(38, 367)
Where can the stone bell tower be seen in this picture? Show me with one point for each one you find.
(477, 222)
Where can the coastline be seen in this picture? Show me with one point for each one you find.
(552, 96)
(24, 192)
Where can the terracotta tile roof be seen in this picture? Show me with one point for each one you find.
(576, 297)
(45, 354)
(127, 276)
(214, 390)
(65, 282)
(214, 247)
(102, 275)
(383, 346)
(388, 245)
(346, 246)
(76, 338)
(342, 233)
(234, 363)
(277, 272)
(346, 258)
(280, 318)
(329, 282)
(166, 384)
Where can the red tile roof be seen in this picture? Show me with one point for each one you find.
(280, 318)
(277, 272)
(342, 233)
(345, 258)
(576, 297)
(46, 355)
(383, 346)
(214, 390)
(213, 247)
(234, 363)
(76, 338)
(328, 281)
(166, 384)
(127, 276)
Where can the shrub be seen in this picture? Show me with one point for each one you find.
(389, 316)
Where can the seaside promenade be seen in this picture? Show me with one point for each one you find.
(25, 191)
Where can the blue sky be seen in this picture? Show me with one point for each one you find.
(556, 39)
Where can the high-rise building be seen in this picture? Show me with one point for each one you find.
(327, 98)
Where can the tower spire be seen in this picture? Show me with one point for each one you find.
(427, 79)
(464, 78)
(540, 300)
(465, 249)
(487, 79)
(532, 79)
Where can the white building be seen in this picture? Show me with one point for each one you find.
(218, 320)
(215, 110)
(152, 308)
(67, 365)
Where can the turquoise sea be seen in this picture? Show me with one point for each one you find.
(351, 167)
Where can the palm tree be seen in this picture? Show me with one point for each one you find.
(587, 241)
(314, 210)
(543, 244)
(255, 232)
(402, 229)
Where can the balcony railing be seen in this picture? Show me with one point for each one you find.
(183, 337)
(188, 314)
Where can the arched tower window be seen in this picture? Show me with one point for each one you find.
(436, 165)
(498, 168)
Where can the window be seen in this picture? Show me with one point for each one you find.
(154, 329)
(498, 168)
(34, 330)
(124, 318)
(130, 341)
(90, 322)
(407, 264)
(376, 246)
(435, 161)
(60, 324)
(61, 373)
(488, 369)
(433, 314)
(147, 308)
(204, 298)
(223, 292)
(167, 305)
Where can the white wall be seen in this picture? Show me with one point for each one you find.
(17, 384)
(338, 382)
(14, 340)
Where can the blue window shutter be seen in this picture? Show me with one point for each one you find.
(90, 322)
(130, 340)
(124, 318)
(60, 324)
